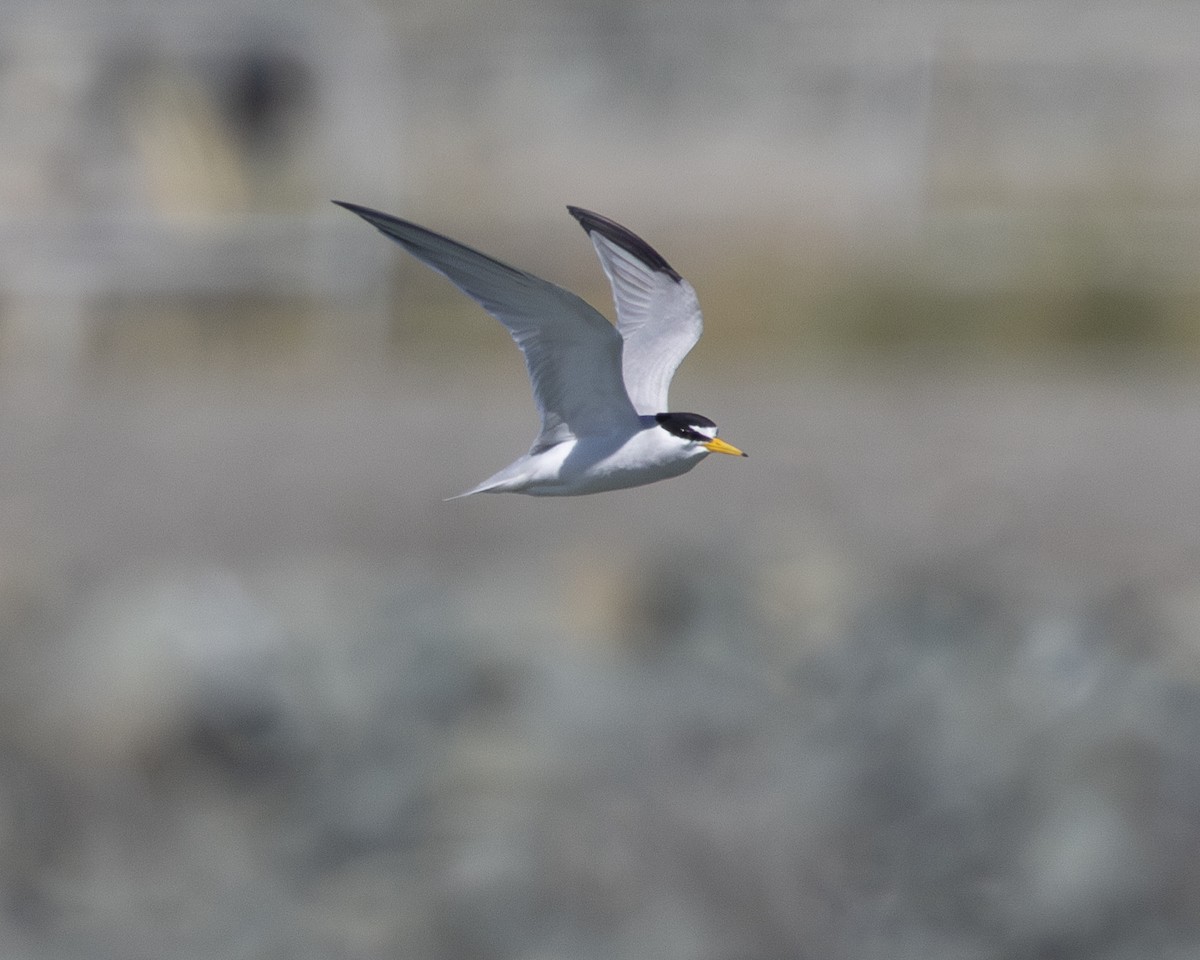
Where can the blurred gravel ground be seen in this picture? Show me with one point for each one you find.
(919, 679)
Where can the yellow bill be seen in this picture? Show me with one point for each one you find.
(717, 445)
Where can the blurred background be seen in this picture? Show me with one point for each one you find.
(919, 679)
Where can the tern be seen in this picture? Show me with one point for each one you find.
(601, 390)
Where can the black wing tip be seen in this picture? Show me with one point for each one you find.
(376, 218)
(402, 231)
(371, 216)
(624, 238)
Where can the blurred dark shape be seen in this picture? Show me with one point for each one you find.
(266, 95)
(239, 740)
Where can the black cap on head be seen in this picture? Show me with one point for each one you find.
(684, 425)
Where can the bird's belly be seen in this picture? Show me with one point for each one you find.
(596, 467)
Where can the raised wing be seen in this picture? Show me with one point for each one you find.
(657, 312)
(572, 353)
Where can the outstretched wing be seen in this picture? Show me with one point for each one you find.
(572, 353)
(657, 312)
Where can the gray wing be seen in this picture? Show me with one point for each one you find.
(572, 353)
(657, 312)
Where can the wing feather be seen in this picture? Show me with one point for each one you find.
(657, 311)
(572, 353)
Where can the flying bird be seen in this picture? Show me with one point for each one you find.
(601, 390)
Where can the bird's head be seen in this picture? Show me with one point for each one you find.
(695, 431)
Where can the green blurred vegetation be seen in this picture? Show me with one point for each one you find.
(1073, 295)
